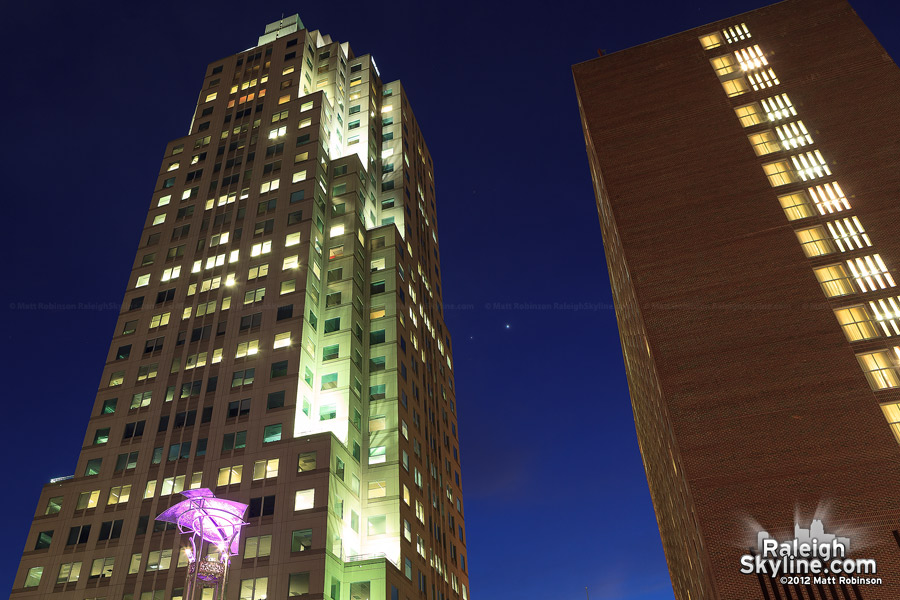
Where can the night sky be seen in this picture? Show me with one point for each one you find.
(555, 493)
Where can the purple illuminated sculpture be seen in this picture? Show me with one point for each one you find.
(209, 520)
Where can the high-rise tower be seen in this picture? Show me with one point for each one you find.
(746, 175)
(281, 342)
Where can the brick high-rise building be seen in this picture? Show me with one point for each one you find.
(281, 342)
(747, 177)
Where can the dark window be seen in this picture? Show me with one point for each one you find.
(110, 530)
(275, 400)
(136, 303)
(239, 408)
(250, 321)
(78, 535)
(43, 540)
(285, 312)
(279, 369)
(123, 352)
(165, 296)
(135, 429)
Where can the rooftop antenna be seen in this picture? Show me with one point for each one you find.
(586, 593)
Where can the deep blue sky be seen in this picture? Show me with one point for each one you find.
(556, 497)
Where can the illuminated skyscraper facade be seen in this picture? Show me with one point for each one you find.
(746, 180)
(281, 342)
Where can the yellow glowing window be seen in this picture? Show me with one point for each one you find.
(304, 123)
(291, 262)
(892, 414)
(829, 197)
(377, 489)
(814, 241)
(173, 165)
(762, 79)
(793, 135)
(796, 206)
(288, 286)
(834, 280)
(164, 200)
(261, 248)
(142, 281)
(212, 96)
(287, 70)
(159, 219)
(217, 356)
(735, 87)
(269, 186)
(230, 475)
(750, 58)
(301, 157)
(304, 499)
(857, 323)
(849, 234)
(337, 230)
(764, 142)
(377, 312)
(736, 33)
(880, 369)
(870, 273)
(779, 173)
(298, 176)
(355, 81)
(725, 65)
(87, 500)
(713, 40)
(778, 107)
(749, 114)
(279, 116)
(265, 469)
(810, 165)
(306, 106)
(277, 132)
(282, 340)
(119, 494)
(284, 99)
(247, 349)
(292, 239)
(258, 271)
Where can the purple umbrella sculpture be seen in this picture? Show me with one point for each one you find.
(209, 520)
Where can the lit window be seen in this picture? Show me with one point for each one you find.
(288, 286)
(230, 475)
(265, 469)
(815, 241)
(337, 230)
(725, 65)
(849, 234)
(103, 567)
(749, 114)
(377, 489)
(779, 173)
(292, 239)
(68, 572)
(887, 312)
(793, 135)
(870, 273)
(880, 369)
(254, 589)
(829, 197)
(857, 323)
(142, 281)
(33, 577)
(87, 500)
(119, 494)
(736, 33)
(796, 206)
(261, 248)
(762, 79)
(735, 87)
(258, 546)
(290, 262)
(247, 348)
(272, 433)
(298, 177)
(751, 58)
(211, 97)
(159, 219)
(810, 165)
(159, 560)
(304, 499)
(282, 340)
(377, 454)
(764, 142)
(834, 280)
(269, 186)
(778, 107)
(713, 40)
